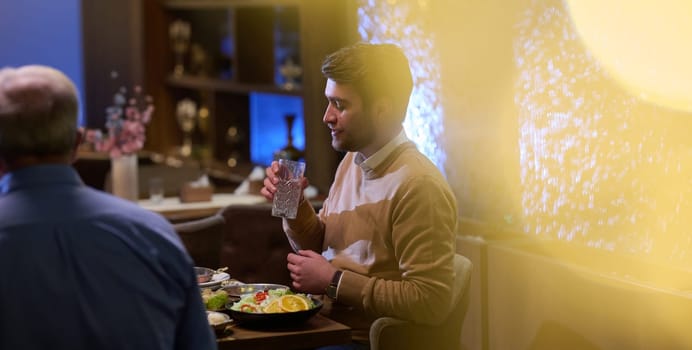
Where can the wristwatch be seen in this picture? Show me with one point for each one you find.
(334, 285)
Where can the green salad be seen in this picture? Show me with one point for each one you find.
(273, 301)
(214, 300)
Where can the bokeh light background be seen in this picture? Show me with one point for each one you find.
(596, 165)
(599, 166)
(404, 23)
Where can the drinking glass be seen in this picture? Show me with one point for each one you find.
(156, 190)
(288, 190)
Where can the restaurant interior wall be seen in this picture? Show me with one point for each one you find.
(112, 54)
(43, 32)
(544, 145)
(547, 144)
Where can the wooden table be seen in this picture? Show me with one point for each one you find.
(317, 331)
(176, 211)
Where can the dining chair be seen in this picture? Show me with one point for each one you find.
(202, 239)
(388, 333)
(254, 245)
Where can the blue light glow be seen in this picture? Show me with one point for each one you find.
(268, 130)
(52, 37)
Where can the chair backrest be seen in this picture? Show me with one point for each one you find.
(254, 245)
(203, 239)
(462, 281)
(389, 333)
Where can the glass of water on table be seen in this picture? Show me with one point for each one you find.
(288, 189)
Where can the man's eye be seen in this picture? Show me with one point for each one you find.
(339, 106)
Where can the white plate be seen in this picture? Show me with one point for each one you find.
(216, 280)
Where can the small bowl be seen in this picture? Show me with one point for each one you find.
(204, 274)
(218, 320)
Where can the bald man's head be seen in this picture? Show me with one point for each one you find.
(38, 113)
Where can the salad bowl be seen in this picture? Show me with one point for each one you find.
(273, 308)
(273, 320)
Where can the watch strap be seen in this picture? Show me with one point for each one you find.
(334, 284)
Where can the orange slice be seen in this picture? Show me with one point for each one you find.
(273, 307)
(293, 303)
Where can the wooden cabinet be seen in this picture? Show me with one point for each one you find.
(244, 42)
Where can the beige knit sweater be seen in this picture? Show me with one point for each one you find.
(391, 230)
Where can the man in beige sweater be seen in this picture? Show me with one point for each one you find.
(383, 242)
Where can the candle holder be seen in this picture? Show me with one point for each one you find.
(186, 113)
(290, 72)
(179, 33)
(234, 137)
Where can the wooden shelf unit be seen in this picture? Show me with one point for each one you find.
(316, 28)
(229, 86)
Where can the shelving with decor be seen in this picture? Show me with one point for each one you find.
(232, 59)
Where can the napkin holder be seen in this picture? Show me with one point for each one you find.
(256, 186)
(189, 193)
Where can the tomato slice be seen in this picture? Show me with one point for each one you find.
(260, 296)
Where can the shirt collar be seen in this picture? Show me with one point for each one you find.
(378, 157)
(39, 175)
(5, 183)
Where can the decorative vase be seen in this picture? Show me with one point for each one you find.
(125, 178)
(289, 151)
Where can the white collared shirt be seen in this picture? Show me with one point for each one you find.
(376, 159)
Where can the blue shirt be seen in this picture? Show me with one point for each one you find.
(81, 269)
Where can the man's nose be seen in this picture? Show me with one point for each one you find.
(329, 116)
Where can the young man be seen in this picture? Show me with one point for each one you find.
(80, 269)
(383, 243)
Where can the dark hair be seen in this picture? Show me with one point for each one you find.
(374, 70)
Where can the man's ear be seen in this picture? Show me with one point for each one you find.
(383, 108)
(79, 138)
